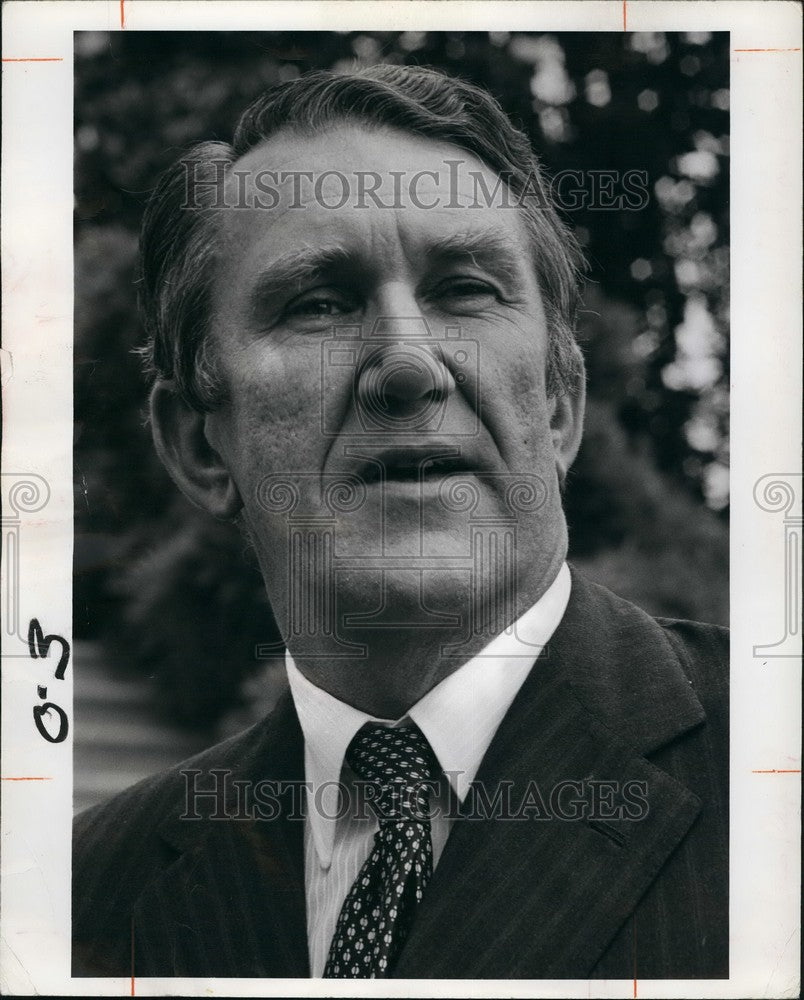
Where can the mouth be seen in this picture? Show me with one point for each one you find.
(415, 465)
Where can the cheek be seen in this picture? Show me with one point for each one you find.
(514, 393)
(275, 421)
(530, 407)
(526, 380)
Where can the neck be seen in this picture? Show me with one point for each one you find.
(383, 668)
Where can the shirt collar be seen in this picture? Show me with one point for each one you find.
(459, 716)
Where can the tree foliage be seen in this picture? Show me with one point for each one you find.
(647, 499)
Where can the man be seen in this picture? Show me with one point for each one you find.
(361, 333)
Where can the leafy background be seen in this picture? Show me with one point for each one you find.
(175, 596)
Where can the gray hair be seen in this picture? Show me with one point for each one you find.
(178, 247)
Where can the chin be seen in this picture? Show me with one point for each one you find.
(401, 595)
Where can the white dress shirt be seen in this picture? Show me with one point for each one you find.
(459, 717)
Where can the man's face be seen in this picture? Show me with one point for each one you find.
(386, 367)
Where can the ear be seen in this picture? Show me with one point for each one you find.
(180, 437)
(566, 422)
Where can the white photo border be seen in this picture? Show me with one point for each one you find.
(37, 254)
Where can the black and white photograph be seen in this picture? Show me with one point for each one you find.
(412, 482)
(434, 331)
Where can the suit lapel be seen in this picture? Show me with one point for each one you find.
(527, 897)
(232, 904)
(543, 898)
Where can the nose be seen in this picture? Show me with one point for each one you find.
(402, 382)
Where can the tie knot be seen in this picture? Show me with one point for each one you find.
(401, 762)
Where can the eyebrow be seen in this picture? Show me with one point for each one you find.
(473, 243)
(495, 252)
(292, 268)
(481, 247)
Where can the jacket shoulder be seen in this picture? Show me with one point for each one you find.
(703, 650)
(139, 809)
(118, 850)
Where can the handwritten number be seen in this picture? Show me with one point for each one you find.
(40, 711)
(39, 646)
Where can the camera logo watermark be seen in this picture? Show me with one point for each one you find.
(401, 357)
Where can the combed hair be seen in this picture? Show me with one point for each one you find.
(178, 246)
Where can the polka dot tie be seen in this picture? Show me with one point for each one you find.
(379, 909)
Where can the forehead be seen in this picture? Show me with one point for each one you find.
(364, 188)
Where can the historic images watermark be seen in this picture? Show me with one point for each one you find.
(424, 452)
(217, 794)
(218, 184)
(780, 493)
(23, 494)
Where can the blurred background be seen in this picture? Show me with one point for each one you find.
(168, 604)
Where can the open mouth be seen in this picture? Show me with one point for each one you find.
(413, 466)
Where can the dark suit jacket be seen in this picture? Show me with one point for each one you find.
(616, 696)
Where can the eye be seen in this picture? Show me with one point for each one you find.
(466, 291)
(320, 304)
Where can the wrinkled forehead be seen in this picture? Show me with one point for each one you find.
(357, 180)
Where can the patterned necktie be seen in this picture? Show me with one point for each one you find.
(379, 909)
